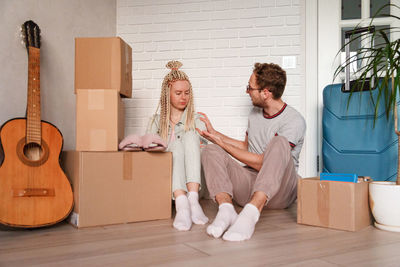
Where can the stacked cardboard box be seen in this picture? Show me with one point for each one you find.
(103, 72)
(99, 120)
(103, 63)
(118, 187)
(111, 186)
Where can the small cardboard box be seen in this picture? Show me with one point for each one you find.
(100, 120)
(103, 63)
(118, 187)
(337, 205)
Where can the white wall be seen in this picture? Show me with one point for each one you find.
(60, 22)
(218, 43)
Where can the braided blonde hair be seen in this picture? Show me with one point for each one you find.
(164, 105)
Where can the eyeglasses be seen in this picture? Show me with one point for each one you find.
(249, 88)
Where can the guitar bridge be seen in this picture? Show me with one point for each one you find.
(34, 192)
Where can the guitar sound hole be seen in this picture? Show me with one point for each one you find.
(32, 154)
(33, 151)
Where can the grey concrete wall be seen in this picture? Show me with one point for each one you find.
(60, 22)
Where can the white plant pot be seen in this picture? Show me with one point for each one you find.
(384, 199)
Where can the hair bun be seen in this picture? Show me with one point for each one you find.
(174, 65)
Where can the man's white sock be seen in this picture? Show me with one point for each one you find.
(243, 228)
(182, 220)
(198, 216)
(225, 217)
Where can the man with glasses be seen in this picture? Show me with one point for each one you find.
(270, 152)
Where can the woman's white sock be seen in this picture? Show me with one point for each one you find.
(225, 217)
(243, 228)
(198, 216)
(182, 221)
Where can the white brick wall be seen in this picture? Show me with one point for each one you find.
(218, 43)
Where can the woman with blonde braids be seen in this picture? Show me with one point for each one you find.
(176, 124)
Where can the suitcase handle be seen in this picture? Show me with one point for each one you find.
(347, 35)
(359, 86)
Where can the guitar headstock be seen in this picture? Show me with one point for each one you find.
(30, 34)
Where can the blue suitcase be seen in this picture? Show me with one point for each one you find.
(351, 143)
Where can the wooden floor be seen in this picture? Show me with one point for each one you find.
(278, 240)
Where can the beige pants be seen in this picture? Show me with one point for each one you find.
(277, 177)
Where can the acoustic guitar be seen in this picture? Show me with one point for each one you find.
(34, 191)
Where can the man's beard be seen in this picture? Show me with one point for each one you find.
(257, 103)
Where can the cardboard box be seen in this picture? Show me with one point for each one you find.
(100, 120)
(103, 63)
(337, 205)
(119, 187)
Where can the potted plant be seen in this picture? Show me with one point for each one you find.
(381, 66)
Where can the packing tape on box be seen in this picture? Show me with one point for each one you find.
(127, 62)
(323, 208)
(127, 175)
(115, 68)
(95, 99)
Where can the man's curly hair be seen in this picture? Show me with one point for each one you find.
(272, 77)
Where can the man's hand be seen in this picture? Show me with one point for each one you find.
(210, 137)
(236, 148)
(208, 124)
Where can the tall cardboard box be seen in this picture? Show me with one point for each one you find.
(100, 120)
(118, 187)
(103, 63)
(337, 205)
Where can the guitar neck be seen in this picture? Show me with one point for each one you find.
(33, 127)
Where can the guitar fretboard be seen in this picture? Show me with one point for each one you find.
(33, 127)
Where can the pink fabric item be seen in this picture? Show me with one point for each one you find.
(132, 142)
(153, 142)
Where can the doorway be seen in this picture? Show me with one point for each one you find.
(326, 22)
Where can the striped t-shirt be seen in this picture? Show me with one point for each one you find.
(288, 122)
